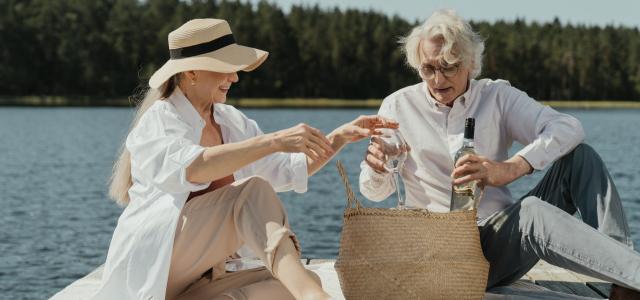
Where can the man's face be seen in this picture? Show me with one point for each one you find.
(444, 82)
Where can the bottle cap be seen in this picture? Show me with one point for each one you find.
(469, 125)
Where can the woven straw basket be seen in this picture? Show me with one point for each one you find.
(409, 254)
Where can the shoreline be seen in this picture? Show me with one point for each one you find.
(303, 103)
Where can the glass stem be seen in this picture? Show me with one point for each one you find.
(400, 199)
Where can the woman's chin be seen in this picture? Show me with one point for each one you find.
(220, 99)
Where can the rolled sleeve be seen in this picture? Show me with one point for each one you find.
(285, 171)
(184, 160)
(161, 153)
(299, 172)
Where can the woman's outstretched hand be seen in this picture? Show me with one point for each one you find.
(306, 139)
(362, 127)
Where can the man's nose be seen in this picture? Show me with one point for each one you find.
(438, 76)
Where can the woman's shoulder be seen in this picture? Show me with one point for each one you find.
(161, 117)
(231, 116)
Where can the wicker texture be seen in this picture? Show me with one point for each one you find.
(409, 254)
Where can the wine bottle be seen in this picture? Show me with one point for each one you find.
(463, 195)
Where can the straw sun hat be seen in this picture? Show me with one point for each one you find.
(206, 45)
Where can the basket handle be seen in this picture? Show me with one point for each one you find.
(352, 202)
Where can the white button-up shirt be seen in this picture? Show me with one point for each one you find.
(435, 132)
(162, 145)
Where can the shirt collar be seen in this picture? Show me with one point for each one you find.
(463, 99)
(192, 116)
(186, 109)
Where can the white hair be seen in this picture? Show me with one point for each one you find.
(460, 42)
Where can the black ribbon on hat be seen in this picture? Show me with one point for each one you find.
(203, 48)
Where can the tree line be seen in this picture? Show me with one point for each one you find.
(110, 48)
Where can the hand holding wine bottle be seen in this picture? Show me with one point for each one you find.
(471, 169)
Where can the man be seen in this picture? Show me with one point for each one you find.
(514, 233)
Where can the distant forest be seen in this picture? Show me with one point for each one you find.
(110, 48)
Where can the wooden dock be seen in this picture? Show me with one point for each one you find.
(548, 277)
(543, 278)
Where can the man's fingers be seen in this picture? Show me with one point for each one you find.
(468, 178)
(467, 158)
(375, 164)
(375, 151)
(466, 169)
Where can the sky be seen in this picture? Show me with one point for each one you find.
(587, 12)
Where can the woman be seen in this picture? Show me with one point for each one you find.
(186, 146)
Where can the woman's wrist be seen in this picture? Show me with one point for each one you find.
(337, 140)
(271, 141)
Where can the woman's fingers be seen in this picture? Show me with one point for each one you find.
(387, 123)
(322, 153)
(375, 121)
(316, 132)
(319, 138)
(311, 154)
(320, 145)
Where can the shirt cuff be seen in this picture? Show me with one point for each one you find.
(299, 172)
(374, 177)
(188, 156)
(537, 157)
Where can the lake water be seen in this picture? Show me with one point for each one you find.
(56, 221)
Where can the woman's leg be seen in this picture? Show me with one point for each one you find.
(215, 225)
(253, 284)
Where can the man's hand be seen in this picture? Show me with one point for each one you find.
(375, 156)
(488, 172)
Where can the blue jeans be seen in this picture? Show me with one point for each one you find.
(542, 226)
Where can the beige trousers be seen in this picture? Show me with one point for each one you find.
(212, 227)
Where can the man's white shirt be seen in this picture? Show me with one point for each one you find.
(435, 131)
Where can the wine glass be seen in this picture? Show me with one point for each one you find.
(395, 148)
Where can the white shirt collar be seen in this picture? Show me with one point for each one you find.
(463, 99)
(192, 116)
(186, 109)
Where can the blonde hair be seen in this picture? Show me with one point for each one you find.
(460, 42)
(121, 180)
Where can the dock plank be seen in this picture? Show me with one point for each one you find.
(561, 280)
